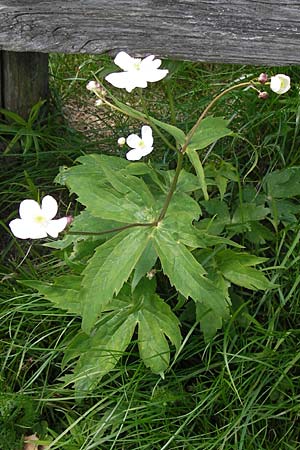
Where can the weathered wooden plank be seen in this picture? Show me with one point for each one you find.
(238, 31)
(24, 80)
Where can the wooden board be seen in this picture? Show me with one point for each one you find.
(24, 80)
(238, 31)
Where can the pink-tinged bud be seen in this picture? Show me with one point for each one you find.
(263, 78)
(93, 86)
(263, 95)
(69, 220)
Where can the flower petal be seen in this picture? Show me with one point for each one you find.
(56, 226)
(49, 207)
(29, 209)
(147, 137)
(134, 155)
(280, 83)
(124, 61)
(27, 229)
(133, 141)
(146, 150)
(149, 63)
(120, 80)
(156, 75)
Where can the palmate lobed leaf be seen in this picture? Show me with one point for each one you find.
(187, 274)
(108, 270)
(100, 352)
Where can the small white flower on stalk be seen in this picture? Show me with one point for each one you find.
(280, 83)
(37, 221)
(137, 72)
(121, 141)
(140, 146)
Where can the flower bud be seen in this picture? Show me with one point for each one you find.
(69, 219)
(121, 141)
(263, 78)
(263, 95)
(151, 274)
(93, 86)
(98, 102)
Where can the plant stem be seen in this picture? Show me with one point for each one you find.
(186, 143)
(172, 188)
(209, 106)
(112, 230)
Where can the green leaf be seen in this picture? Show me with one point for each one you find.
(283, 183)
(236, 268)
(171, 129)
(186, 274)
(187, 182)
(183, 204)
(210, 130)
(248, 212)
(87, 223)
(91, 167)
(229, 256)
(63, 293)
(125, 184)
(100, 352)
(121, 198)
(246, 277)
(210, 322)
(108, 270)
(180, 226)
(144, 264)
(156, 320)
(195, 160)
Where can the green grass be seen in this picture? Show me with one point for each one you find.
(238, 392)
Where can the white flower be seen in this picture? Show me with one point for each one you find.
(280, 83)
(140, 146)
(36, 222)
(137, 72)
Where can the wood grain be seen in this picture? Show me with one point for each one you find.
(237, 31)
(24, 80)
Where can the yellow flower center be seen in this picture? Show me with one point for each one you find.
(40, 219)
(137, 66)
